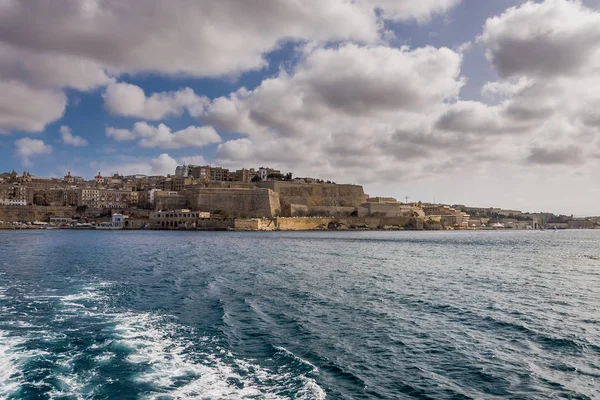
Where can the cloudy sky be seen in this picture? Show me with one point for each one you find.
(489, 103)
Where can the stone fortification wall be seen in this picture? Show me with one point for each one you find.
(215, 224)
(231, 185)
(303, 224)
(255, 224)
(171, 202)
(258, 202)
(44, 213)
(332, 211)
(317, 195)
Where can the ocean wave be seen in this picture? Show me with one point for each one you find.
(285, 351)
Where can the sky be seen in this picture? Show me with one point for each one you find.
(483, 103)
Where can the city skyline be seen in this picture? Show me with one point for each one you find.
(242, 174)
(458, 102)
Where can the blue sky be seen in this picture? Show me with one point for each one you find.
(395, 95)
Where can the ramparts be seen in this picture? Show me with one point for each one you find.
(306, 224)
(257, 202)
(316, 196)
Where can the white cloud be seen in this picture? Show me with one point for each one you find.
(27, 148)
(120, 135)
(67, 137)
(23, 108)
(367, 82)
(233, 150)
(51, 70)
(552, 156)
(464, 47)
(340, 110)
(548, 54)
(400, 10)
(379, 115)
(161, 136)
(193, 160)
(505, 88)
(196, 38)
(83, 45)
(545, 39)
(164, 164)
(129, 100)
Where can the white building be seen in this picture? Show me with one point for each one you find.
(116, 223)
(13, 202)
(181, 171)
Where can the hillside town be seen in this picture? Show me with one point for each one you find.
(215, 198)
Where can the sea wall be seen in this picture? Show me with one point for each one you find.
(303, 224)
(44, 213)
(211, 224)
(257, 202)
(255, 224)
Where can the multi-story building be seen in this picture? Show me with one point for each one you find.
(241, 175)
(15, 195)
(49, 197)
(181, 171)
(184, 171)
(108, 198)
(252, 173)
(218, 174)
(447, 214)
(201, 172)
(89, 197)
(264, 173)
(206, 173)
(147, 198)
(177, 184)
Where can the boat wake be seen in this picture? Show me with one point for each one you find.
(81, 348)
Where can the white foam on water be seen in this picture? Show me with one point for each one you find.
(311, 390)
(177, 371)
(176, 363)
(315, 369)
(87, 295)
(9, 372)
(13, 356)
(22, 324)
(171, 371)
(70, 386)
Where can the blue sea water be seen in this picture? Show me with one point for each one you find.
(305, 315)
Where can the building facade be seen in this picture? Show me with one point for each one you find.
(15, 195)
(177, 219)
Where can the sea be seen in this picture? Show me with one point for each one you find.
(299, 315)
